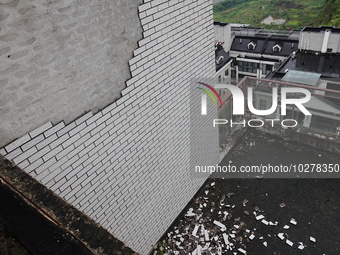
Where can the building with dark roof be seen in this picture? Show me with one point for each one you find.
(310, 57)
(328, 65)
(223, 63)
(267, 47)
(316, 64)
(223, 60)
(257, 55)
(253, 51)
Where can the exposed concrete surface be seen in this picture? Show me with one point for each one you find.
(307, 137)
(59, 59)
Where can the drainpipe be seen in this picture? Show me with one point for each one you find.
(325, 41)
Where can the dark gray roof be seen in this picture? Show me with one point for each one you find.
(325, 64)
(221, 57)
(220, 23)
(330, 101)
(264, 45)
(320, 29)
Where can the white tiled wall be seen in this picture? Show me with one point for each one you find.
(127, 165)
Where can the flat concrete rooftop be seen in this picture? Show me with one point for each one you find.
(297, 210)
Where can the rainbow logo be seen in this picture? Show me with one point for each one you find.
(204, 97)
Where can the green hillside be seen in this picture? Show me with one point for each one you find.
(296, 13)
(330, 13)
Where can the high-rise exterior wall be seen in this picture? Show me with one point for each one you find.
(223, 34)
(127, 165)
(59, 59)
(321, 39)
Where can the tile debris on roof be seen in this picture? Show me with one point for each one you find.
(200, 234)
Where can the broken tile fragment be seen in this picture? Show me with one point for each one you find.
(194, 232)
(199, 250)
(282, 205)
(281, 236)
(222, 199)
(301, 246)
(293, 221)
(265, 222)
(259, 217)
(206, 247)
(206, 235)
(230, 194)
(312, 239)
(222, 226)
(290, 243)
(190, 213)
(225, 237)
(242, 251)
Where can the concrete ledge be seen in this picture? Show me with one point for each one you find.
(307, 137)
(97, 239)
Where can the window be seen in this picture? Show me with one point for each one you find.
(263, 104)
(277, 48)
(219, 79)
(249, 67)
(226, 73)
(219, 60)
(264, 66)
(266, 69)
(251, 45)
